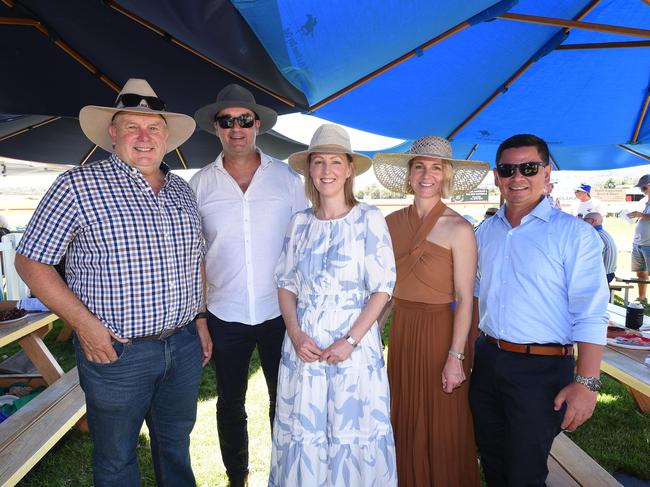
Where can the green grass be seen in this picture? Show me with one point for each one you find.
(617, 436)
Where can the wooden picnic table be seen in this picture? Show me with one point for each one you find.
(626, 365)
(29, 332)
(32, 430)
(627, 281)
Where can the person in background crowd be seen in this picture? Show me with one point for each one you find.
(246, 199)
(586, 204)
(641, 240)
(555, 202)
(540, 288)
(130, 230)
(609, 245)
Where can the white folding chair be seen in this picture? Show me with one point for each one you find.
(14, 287)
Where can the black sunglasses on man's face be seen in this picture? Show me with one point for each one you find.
(245, 121)
(528, 169)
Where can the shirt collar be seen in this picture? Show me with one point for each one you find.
(264, 160)
(132, 171)
(542, 211)
(598, 227)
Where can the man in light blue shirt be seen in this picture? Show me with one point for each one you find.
(541, 287)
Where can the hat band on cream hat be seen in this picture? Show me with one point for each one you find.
(329, 138)
(136, 97)
(391, 169)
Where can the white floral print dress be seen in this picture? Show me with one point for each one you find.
(332, 422)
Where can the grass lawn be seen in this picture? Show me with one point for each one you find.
(618, 436)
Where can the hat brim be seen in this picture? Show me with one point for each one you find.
(299, 161)
(205, 116)
(391, 171)
(94, 121)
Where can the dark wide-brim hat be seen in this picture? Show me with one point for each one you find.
(234, 96)
(391, 169)
(94, 120)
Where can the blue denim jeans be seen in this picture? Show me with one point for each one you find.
(156, 381)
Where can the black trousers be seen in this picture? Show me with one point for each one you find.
(511, 396)
(233, 345)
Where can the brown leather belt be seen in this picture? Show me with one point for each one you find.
(532, 348)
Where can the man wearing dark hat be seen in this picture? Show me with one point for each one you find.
(131, 234)
(246, 200)
(541, 288)
(641, 241)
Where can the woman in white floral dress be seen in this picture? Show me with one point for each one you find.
(335, 274)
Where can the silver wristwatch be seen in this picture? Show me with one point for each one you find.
(592, 383)
(351, 341)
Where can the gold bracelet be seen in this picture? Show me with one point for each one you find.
(458, 355)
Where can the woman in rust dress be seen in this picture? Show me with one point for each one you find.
(435, 252)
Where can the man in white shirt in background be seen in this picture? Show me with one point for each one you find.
(587, 204)
(246, 200)
(641, 240)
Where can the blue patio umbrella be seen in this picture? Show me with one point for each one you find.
(575, 72)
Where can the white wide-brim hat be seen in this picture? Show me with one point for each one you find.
(392, 169)
(94, 120)
(329, 139)
(235, 96)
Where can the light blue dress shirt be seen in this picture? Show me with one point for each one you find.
(542, 281)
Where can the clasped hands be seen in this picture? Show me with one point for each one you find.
(308, 351)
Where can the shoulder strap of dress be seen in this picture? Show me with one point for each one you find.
(427, 224)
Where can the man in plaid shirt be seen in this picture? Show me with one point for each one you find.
(131, 234)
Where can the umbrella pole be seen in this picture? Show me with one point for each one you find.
(644, 112)
(181, 158)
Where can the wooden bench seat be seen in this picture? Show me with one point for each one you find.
(569, 466)
(30, 432)
(619, 287)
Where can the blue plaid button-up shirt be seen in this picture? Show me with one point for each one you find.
(132, 257)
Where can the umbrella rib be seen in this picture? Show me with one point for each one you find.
(404, 57)
(152, 27)
(575, 24)
(27, 129)
(633, 152)
(40, 26)
(553, 161)
(504, 87)
(87, 156)
(642, 115)
(603, 45)
(471, 152)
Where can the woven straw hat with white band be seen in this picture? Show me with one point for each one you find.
(392, 169)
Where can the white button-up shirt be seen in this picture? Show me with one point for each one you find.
(244, 234)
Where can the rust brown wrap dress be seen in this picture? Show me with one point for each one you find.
(433, 430)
